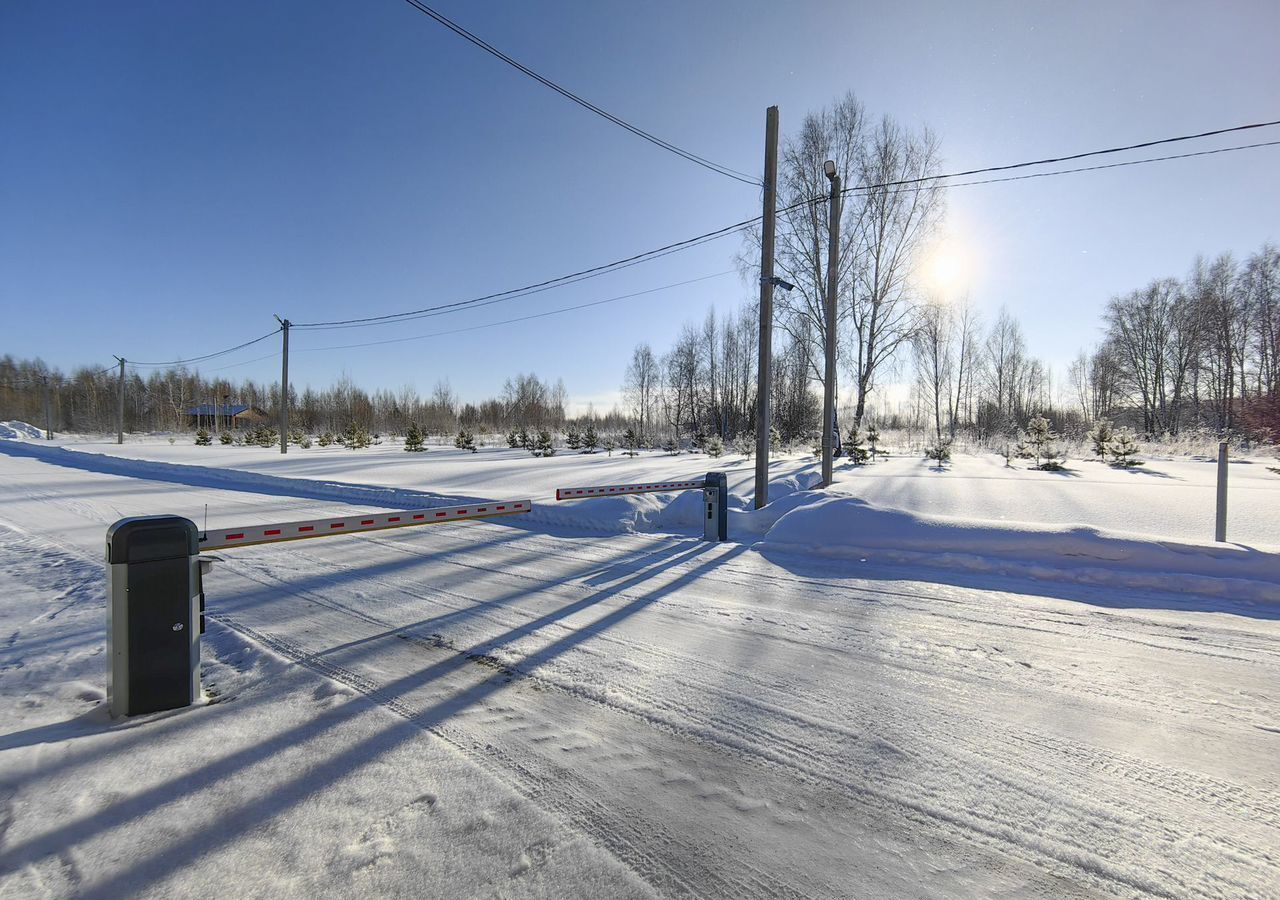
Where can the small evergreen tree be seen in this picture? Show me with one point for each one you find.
(413, 439)
(610, 444)
(266, 436)
(225, 438)
(1101, 436)
(1039, 443)
(590, 440)
(714, 446)
(854, 446)
(775, 439)
(745, 444)
(355, 437)
(295, 435)
(939, 451)
(465, 441)
(630, 442)
(305, 443)
(203, 439)
(325, 439)
(526, 439)
(513, 439)
(700, 438)
(1122, 448)
(670, 446)
(873, 441)
(573, 438)
(542, 446)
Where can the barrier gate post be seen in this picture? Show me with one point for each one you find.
(154, 602)
(715, 525)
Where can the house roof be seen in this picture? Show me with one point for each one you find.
(208, 409)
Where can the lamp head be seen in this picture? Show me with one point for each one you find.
(829, 167)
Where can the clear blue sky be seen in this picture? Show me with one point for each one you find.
(173, 173)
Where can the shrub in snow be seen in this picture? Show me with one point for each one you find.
(513, 439)
(325, 439)
(1122, 448)
(775, 439)
(264, 436)
(610, 444)
(671, 446)
(714, 446)
(745, 444)
(1101, 436)
(700, 439)
(1038, 442)
(630, 441)
(172, 441)
(413, 439)
(526, 440)
(573, 438)
(873, 441)
(225, 438)
(590, 440)
(305, 443)
(465, 441)
(202, 438)
(295, 435)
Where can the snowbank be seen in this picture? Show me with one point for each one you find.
(19, 431)
(847, 527)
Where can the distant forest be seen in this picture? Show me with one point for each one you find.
(1198, 353)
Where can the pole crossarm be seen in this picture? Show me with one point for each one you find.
(616, 490)
(224, 538)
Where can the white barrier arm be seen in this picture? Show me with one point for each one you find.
(294, 531)
(615, 490)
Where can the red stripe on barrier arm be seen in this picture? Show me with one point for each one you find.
(438, 515)
(393, 518)
(307, 528)
(273, 531)
(234, 537)
(366, 521)
(337, 525)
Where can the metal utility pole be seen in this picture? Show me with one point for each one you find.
(833, 278)
(764, 370)
(48, 419)
(284, 387)
(120, 404)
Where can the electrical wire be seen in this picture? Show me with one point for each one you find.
(207, 356)
(246, 362)
(575, 98)
(544, 314)
(689, 243)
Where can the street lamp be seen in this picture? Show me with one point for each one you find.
(829, 385)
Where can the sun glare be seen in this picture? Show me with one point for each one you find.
(947, 271)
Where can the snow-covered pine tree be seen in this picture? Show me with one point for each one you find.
(775, 439)
(355, 437)
(1101, 436)
(873, 440)
(203, 439)
(413, 439)
(325, 439)
(295, 435)
(1123, 448)
(670, 446)
(939, 451)
(714, 446)
(573, 438)
(629, 442)
(465, 441)
(1039, 443)
(526, 439)
(700, 438)
(513, 439)
(225, 438)
(590, 440)
(610, 444)
(543, 446)
(745, 444)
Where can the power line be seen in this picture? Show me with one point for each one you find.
(550, 312)
(207, 356)
(584, 103)
(689, 243)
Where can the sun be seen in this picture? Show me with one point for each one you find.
(947, 270)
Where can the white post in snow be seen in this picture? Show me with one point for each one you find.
(1220, 531)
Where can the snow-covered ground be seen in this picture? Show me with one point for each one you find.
(864, 693)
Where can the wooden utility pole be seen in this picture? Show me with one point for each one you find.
(48, 418)
(120, 404)
(764, 370)
(284, 387)
(833, 280)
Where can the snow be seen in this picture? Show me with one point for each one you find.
(19, 431)
(866, 691)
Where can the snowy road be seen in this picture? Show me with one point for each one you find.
(728, 722)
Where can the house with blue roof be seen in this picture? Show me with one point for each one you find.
(217, 416)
